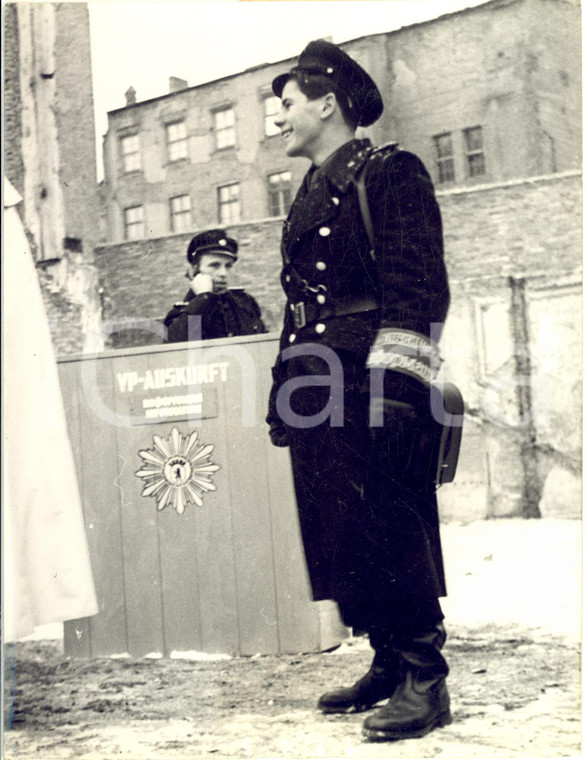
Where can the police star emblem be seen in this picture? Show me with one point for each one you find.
(177, 470)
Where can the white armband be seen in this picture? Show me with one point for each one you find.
(405, 351)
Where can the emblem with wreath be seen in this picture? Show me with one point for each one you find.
(178, 470)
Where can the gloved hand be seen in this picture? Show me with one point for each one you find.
(278, 434)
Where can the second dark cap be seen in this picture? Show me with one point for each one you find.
(212, 241)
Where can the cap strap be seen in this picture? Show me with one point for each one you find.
(213, 247)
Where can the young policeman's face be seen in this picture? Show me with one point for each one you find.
(299, 121)
(219, 267)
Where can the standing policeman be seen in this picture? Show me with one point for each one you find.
(351, 387)
(211, 309)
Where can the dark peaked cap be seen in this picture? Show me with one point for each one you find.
(324, 58)
(212, 241)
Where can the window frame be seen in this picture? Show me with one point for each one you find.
(172, 144)
(443, 161)
(130, 224)
(231, 218)
(472, 154)
(280, 187)
(221, 130)
(273, 130)
(183, 214)
(125, 156)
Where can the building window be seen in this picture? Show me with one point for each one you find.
(180, 211)
(177, 141)
(134, 227)
(279, 193)
(444, 157)
(272, 106)
(474, 151)
(224, 128)
(229, 204)
(131, 154)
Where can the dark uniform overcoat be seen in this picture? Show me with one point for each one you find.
(223, 315)
(366, 496)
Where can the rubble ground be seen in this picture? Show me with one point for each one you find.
(513, 618)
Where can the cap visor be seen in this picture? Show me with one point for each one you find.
(279, 83)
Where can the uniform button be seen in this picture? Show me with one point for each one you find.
(321, 298)
(320, 327)
(292, 307)
(324, 231)
(292, 337)
(287, 278)
(336, 201)
(321, 265)
(230, 335)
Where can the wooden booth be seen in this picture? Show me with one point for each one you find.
(189, 509)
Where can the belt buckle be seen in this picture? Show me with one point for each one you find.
(299, 315)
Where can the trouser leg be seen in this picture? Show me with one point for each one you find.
(421, 702)
(383, 676)
(387, 626)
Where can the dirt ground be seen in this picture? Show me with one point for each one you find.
(515, 677)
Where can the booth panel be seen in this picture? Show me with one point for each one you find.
(215, 553)
(195, 539)
(190, 511)
(91, 437)
(140, 528)
(102, 498)
(247, 474)
(180, 582)
(299, 627)
(76, 633)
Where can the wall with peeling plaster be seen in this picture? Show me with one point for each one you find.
(50, 159)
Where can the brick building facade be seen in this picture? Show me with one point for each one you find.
(49, 157)
(485, 95)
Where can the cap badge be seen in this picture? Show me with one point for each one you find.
(222, 242)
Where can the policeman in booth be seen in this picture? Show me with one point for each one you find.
(223, 312)
(365, 484)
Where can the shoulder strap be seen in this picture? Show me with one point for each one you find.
(364, 200)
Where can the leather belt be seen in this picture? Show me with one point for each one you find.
(305, 313)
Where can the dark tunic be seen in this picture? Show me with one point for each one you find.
(366, 495)
(223, 315)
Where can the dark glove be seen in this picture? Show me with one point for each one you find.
(278, 434)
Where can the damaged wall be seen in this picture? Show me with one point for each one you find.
(513, 344)
(50, 146)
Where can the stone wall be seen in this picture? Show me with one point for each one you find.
(13, 165)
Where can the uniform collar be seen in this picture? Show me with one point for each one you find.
(342, 166)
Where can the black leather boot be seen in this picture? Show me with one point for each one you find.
(379, 683)
(421, 702)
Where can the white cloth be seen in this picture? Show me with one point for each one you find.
(47, 574)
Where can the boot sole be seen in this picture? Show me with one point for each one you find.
(379, 735)
(351, 708)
